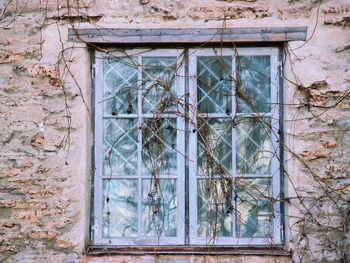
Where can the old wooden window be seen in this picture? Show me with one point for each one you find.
(186, 147)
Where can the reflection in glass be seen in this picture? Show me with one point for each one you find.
(254, 79)
(214, 208)
(159, 85)
(119, 208)
(120, 146)
(120, 86)
(254, 216)
(159, 146)
(253, 146)
(159, 207)
(214, 146)
(214, 84)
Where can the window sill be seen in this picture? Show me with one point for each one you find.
(187, 250)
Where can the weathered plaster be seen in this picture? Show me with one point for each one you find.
(44, 194)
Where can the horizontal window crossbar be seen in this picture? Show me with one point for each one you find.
(141, 115)
(160, 176)
(237, 176)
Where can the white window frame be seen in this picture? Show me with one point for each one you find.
(192, 154)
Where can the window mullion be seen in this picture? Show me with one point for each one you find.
(233, 172)
(181, 171)
(139, 146)
(186, 149)
(192, 150)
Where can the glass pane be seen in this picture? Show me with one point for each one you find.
(119, 208)
(254, 217)
(120, 86)
(120, 146)
(214, 84)
(159, 207)
(214, 208)
(159, 85)
(253, 146)
(214, 146)
(254, 76)
(159, 146)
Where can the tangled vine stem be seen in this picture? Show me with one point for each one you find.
(326, 192)
(221, 186)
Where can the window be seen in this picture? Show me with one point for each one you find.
(186, 147)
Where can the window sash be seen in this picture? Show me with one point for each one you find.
(275, 178)
(99, 177)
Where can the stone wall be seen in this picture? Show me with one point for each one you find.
(45, 125)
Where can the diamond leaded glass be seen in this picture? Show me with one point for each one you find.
(253, 146)
(159, 207)
(214, 83)
(119, 208)
(120, 86)
(159, 146)
(254, 215)
(214, 146)
(159, 85)
(120, 146)
(215, 208)
(254, 82)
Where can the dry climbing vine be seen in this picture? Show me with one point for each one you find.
(307, 204)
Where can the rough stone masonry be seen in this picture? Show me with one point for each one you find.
(45, 125)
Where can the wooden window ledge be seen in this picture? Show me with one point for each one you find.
(187, 250)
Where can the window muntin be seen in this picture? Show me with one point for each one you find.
(240, 137)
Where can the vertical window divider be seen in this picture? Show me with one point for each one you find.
(275, 166)
(193, 149)
(98, 197)
(283, 179)
(187, 156)
(233, 133)
(181, 148)
(139, 145)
